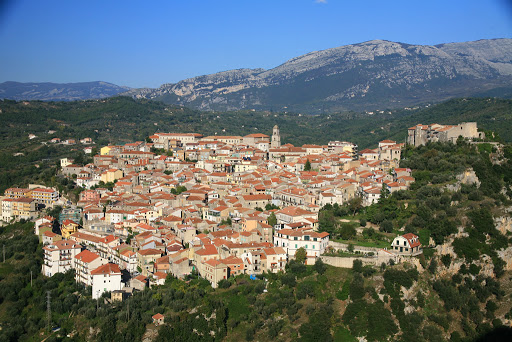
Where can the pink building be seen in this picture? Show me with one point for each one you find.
(90, 196)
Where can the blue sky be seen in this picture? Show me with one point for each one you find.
(148, 43)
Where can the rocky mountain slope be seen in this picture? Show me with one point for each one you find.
(376, 74)
(59, 91)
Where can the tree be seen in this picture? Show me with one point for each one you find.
(347, 231)
(301, 255)
(307, 166)
(357, 266)
(272, 219)
(178, 190)
(384, 193)
(386, 226)
(350, 248)
(355, 204)
(319, 266)
(226, 222)
(271, 206)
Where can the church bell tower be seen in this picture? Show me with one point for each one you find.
(276, 138)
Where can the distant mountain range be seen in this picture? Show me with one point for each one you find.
(377, 74)
(372, 75)
(59, 91)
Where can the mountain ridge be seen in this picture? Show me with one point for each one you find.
(49, 91)
(372, 74)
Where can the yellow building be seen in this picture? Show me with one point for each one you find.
(44, 196)
(68, 227)
(16, 192)
(24, 208)
(105, 150)
(111, 175)
(65, 162)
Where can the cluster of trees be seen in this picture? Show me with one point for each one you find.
(119, 119)
(178, 190)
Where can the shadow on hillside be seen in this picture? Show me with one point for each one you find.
(497, 335)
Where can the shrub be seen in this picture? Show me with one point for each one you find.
(224, 284)
(446, 260)
(319, 266)
(386, 226)
(357, 266)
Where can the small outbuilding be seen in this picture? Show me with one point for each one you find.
(158, 319)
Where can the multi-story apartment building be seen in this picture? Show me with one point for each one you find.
(106, 278)
(7, 209)
(16, 192)
(343, 147)
(84, 263)
(23, 208)
(292, 239)
(44, 196)
(58, 257)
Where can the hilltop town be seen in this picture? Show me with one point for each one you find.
(219, 206)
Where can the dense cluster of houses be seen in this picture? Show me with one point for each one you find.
(218, 205)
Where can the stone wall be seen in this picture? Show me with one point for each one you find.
(347, 262)
(360, 249)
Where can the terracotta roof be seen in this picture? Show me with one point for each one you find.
(150, 251)
(86, 256)
(207, 250)
(141, 278)
(213, 262)
(107, 269)
(412, 239)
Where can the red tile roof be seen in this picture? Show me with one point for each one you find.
(86, 256)
(109, 268)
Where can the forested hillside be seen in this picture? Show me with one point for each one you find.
(123, 119)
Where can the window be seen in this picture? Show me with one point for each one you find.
(295, 245)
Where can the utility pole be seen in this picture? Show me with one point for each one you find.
(30, 278)
(48, 309)
(4, 252)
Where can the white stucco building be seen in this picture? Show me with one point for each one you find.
(106, 278)
(58, 257)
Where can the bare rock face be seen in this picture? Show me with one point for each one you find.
(377, 73)
(503, 224)
(506, 255)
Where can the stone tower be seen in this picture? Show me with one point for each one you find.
(276, 138)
